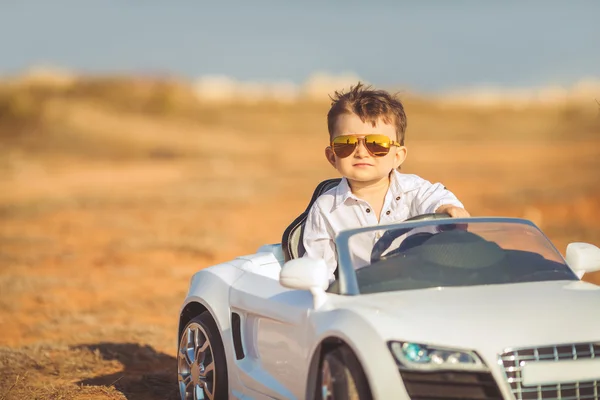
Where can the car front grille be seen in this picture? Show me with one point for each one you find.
(513, 361)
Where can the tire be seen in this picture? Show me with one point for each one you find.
(342, 377)
(201, 362)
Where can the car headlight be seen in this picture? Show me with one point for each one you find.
(424, 357)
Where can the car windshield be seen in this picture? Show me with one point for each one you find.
(444, 253)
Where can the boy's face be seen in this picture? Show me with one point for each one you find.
(361, 166)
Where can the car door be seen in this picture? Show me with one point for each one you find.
(273, 333)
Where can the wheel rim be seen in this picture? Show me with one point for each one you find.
(326, 381)
(196, 365)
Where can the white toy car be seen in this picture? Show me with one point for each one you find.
(476, 308)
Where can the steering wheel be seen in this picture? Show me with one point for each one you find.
(386, 240)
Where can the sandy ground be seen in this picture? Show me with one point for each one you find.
(105, 215)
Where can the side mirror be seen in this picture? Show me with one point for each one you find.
(306, 274)
(582, 258)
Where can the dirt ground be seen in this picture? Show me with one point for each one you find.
(110, 202)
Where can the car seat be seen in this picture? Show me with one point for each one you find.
(291, 242)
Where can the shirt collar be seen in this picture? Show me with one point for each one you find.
(343, 191)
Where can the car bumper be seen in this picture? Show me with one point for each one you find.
(570, 371)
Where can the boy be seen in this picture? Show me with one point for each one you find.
(366, 131)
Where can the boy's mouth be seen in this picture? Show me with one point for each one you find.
(362, 165)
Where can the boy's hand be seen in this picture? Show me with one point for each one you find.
(453, 211)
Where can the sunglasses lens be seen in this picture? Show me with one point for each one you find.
(343, 146)
(378, 145)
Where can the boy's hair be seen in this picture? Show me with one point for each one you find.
(369, 105)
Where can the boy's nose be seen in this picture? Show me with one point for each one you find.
(361, 150)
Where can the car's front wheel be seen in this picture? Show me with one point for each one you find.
(342, 377)
(201, 362)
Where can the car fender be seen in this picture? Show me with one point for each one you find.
(209, 288)
(357, 332)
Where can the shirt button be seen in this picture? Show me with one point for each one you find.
(368, 210)
(398, 198)
(388, 212)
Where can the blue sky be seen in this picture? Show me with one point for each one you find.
(424, 45)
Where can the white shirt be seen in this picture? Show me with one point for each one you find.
(339, 209)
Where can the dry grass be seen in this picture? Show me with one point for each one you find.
(113, 191)
(104, 370)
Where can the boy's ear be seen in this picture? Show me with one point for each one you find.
(330, 156)
(400, 156)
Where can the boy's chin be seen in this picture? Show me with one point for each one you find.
(366, 177)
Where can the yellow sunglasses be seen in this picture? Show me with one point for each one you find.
(376, 145)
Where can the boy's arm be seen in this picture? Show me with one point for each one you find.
(318, 239)
(435, 198)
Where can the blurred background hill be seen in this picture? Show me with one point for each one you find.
(139, 144)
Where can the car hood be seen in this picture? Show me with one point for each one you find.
(500, 316)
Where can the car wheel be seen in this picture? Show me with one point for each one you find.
(342, 377)
(201, 362)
